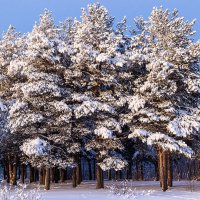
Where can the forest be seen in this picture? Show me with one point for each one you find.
(93, 99)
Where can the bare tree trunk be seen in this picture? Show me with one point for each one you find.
(44, 176)
(163, 169)
(7, 172)
(94, 168)
(99, 177)
(109, 174)
(31, 175)
(4, 172)
(129, 173)
(47, 179)
(13, 174)
(41, 176)
(56, 175)
(52, 174)
(78, 172)
(62, 175)
(164, 184)
(117, 175)
(22, 173)
(137, 171)
(74, 182)
(141, 171)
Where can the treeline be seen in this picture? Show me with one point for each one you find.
(88, 93)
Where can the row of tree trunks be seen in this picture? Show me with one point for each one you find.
(165, 169)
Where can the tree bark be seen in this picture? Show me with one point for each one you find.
(117, 175)
(78, 171)
(129, 174)
(141, 171)
(41, 176)
(13, 174)
(22, 173)
(7, 173)
(74, 182)
(163, 169)
(99, 177)
(47, 179)
(62, 175)
(94, 168)
(137, 171)
(4, 172)
(109, 174)
(44, 175)
(31, 175)
(56, 175)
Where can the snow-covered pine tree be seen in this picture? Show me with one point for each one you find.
(40, 114)
(11, 49)
(165, 104)
(95, 61)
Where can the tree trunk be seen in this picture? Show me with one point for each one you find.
(117, 175)
(7, 172)
(13, 174)
(170, 171)
(78, 171)
(163, 169)
(129, 174)
(99, 177)
(47, 179)
(94, 169)
(31, 175)
(44, 175)
(160, 158)
(137, 171)
(4, 172)
(56, 175)
(41, 176)
(74, 182)
(109, 174)
(141, 171)
(62, 175)
(22, 173)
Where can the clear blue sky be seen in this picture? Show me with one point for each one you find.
(23, 13)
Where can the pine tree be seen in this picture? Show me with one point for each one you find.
(40, 114)
(11, 49)
(164, 108)
(95, 61)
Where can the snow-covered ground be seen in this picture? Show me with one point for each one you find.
(145, 190)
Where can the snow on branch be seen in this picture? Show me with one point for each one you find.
(103, 132)
(35, 147)
(113, 163)
(170, 144)
(89, 107)
(185, 125)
